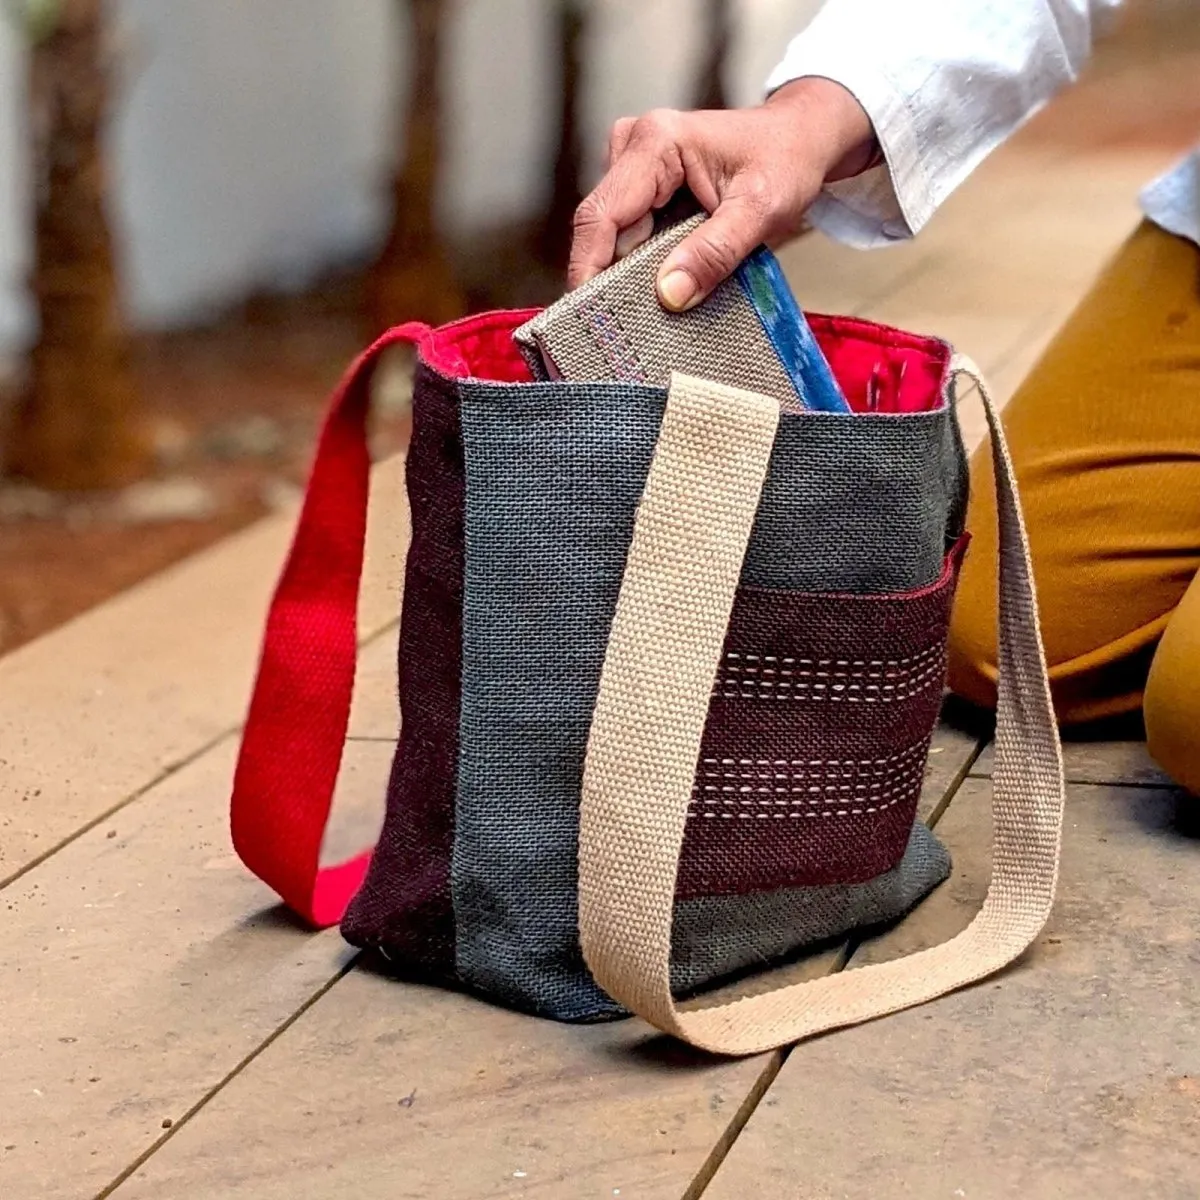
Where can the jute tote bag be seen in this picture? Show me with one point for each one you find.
(670, 661)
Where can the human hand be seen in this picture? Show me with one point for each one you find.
(755, 170)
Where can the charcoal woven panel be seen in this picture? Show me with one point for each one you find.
(719, 935)
(404, 905)
(554, 472)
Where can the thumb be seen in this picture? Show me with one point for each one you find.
(710, 254)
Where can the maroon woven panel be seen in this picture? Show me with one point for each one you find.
(404, 905)
(814, 751)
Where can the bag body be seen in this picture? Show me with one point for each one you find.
(524, 692)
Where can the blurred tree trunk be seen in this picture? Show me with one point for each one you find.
(77, 422)
(554, 235)
(413, 279)
(718, 20)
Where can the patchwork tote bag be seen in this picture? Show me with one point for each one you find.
(670, 662)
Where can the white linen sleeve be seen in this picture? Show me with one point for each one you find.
(944, 83)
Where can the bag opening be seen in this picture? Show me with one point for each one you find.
(879, 369)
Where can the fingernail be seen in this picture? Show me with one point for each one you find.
(677, 290)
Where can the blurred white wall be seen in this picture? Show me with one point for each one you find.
(253, 141)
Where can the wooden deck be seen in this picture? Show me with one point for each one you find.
(168, 1032)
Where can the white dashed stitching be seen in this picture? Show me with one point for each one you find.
(916, 748)
(775, 661)
(902, 688)
(814, 794)
(857, 766)
(751, 801)
(828, 812)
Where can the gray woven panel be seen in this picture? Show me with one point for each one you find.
(554, 473)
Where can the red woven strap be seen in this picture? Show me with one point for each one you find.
(296, 728)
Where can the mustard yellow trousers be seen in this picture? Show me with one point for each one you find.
(1105, 435)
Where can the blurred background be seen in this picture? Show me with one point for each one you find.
(207, 208)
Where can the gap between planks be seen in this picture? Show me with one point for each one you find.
(196, 1108)
(166, 773)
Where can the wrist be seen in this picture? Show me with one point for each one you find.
(834, 124)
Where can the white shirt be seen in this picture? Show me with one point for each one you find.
(945, 82)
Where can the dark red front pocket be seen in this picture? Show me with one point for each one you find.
(817, 736)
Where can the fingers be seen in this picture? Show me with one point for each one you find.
(618, 202)
(645, 174)
(713, 252)
(619, 138)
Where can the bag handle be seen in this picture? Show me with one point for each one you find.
(300, 710)
(684, 562)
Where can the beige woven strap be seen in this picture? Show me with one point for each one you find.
(685, 558)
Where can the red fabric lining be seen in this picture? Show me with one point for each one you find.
(479, 347)
(908, 369)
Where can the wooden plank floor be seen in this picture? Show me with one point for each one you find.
(168, 1032)
(1075, 1074)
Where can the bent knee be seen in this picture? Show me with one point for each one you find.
(1102, 684)
(971, 673)
(1172, 714)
